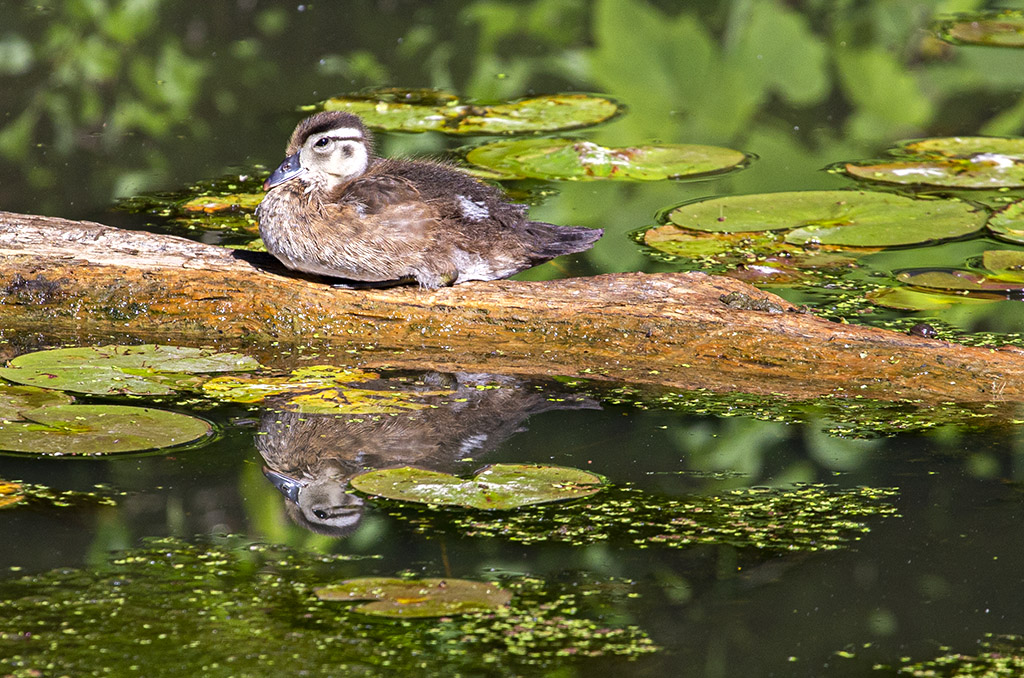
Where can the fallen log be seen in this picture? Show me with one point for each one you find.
(684, 330)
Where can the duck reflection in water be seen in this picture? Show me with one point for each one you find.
(311, 457)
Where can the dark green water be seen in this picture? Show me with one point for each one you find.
(100, 100)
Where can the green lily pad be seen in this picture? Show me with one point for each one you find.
(417, 597)
(982, 170)
(576, 160)
(844, 218)
(96, 430)
(957, 280)
(500, 486)
(220, 203)
(907, 299)
(16, 399)
(1008, 223)
(996, 28)
(1004, 264)
(535, 114)
(148, 369)
(144, 357)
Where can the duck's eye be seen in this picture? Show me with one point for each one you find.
(322, 141)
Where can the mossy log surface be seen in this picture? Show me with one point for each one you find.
(74, 279)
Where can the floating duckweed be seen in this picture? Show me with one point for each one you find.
(22, 494)
(998, 655)
(236, 608)
(805, 518)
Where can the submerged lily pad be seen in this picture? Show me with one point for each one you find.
(846, 218)
(583, 160)
(95, 430)
(417, 597)
(387, 111)
(994, 28)
(907, 299)
(148, 369)
(16, 399)
(257, 389)
(500, 486)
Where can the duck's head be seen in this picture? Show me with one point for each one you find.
(329, 148)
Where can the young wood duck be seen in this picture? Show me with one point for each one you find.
(333, 208)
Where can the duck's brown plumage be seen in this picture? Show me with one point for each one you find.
(399, 219)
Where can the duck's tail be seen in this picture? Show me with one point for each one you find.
(548, 241)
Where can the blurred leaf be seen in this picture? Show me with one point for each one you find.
(16, 55)
(993, 28)
(887, 98)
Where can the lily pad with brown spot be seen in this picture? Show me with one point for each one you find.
(994, 28)
(241, 389)
(576, 160)
(842, 218)
(391, 112)
(416, 598)
(500, 486)
(962, 147)
(98, 430)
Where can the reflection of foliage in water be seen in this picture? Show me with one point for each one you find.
(806, 518)
(247, 609)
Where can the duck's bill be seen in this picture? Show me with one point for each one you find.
(284, 483)
(286, 170)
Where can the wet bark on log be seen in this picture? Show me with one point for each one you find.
(675, 330)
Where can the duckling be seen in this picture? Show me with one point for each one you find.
(334, 208)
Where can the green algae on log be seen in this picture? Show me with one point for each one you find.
(669, 329)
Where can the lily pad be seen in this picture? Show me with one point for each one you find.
(16, 399)
(576, 160)
(907, 299)
(982, 170)
(1004, 264)
(220, 203)
(148, 369)
(535, 114)
(962, 147)
(96, 430)
(357, 401)
(1008, 223)
(501, 486)
(996, 28)
(144, 357)
(957, 280)
(846, 218)
(417, 597)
